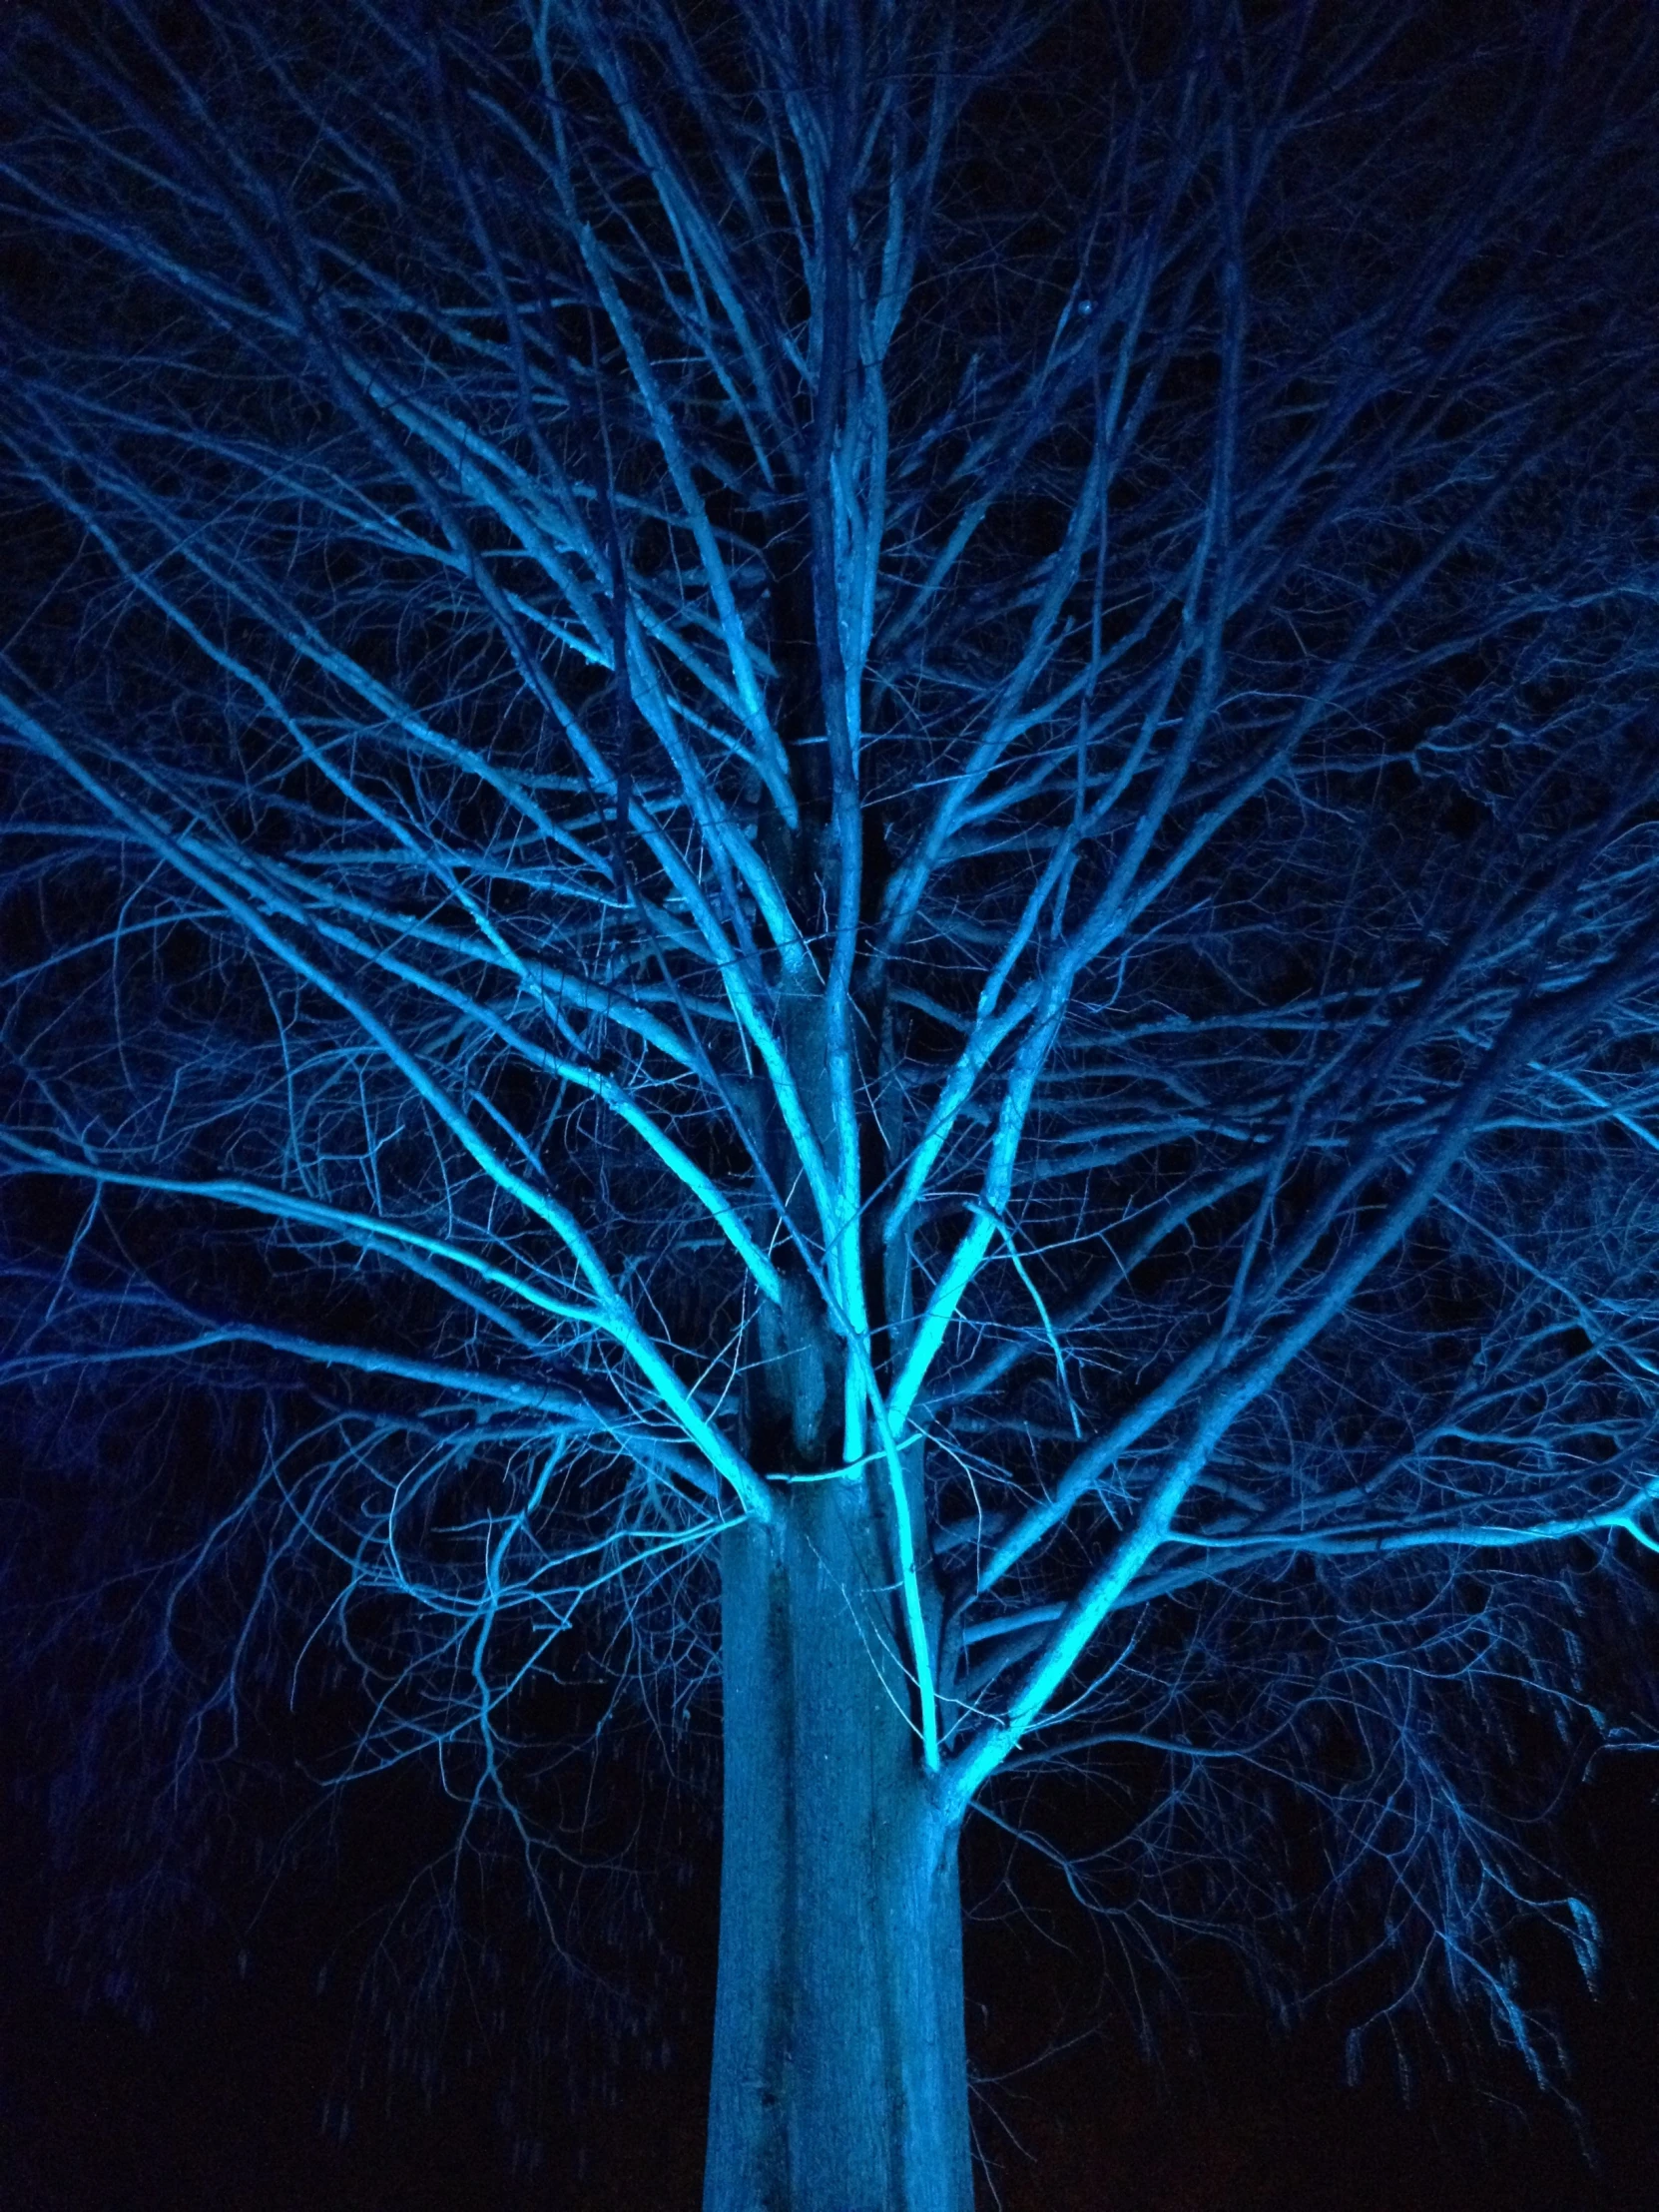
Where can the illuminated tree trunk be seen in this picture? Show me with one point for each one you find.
(840, 2066)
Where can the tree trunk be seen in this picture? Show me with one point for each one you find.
(841, 2064)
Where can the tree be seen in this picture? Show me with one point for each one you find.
(856, 803)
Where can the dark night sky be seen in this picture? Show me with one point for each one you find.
(226, 2099)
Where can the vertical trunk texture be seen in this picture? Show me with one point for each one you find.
(840, 2067)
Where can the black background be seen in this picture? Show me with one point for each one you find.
(265, 2081)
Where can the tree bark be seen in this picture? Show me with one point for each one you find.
(841, 2063)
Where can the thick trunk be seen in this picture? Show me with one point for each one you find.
(839, 2068)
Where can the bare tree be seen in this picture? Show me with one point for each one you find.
(867, 795)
